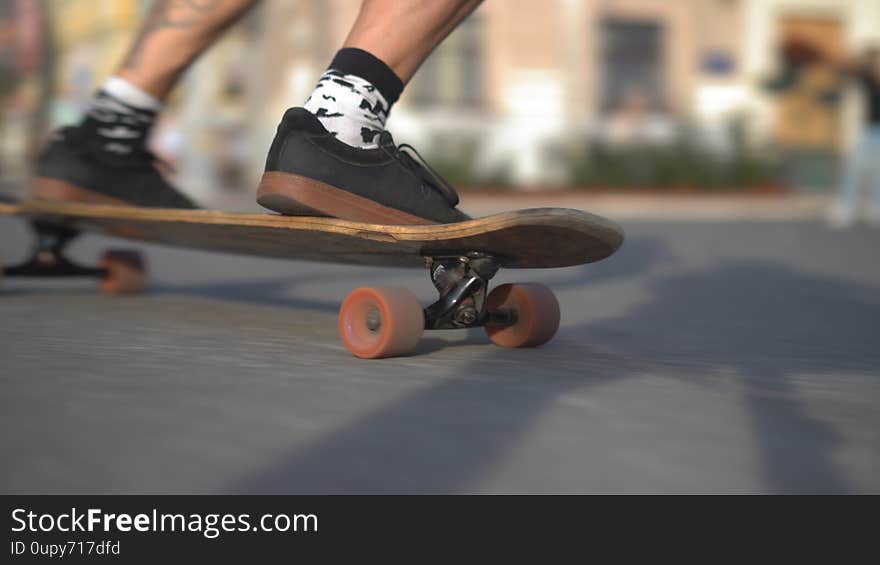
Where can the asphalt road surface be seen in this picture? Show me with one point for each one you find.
(701, 358)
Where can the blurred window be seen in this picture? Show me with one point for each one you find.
(453, 74)
(632, 65)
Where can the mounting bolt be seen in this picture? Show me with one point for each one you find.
(374, 320)
(466, 316)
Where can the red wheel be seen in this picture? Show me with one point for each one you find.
(535, 310)
(126, 272)
(381, 322)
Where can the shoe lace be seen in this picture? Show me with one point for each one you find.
(413, 160)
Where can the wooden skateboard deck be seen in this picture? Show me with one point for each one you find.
(535, 238)
(461, 259)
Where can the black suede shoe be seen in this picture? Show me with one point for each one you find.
(310, 172)
(74, 168)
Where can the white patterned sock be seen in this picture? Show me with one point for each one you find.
(350, 108)
(126, 92)
(121, 116)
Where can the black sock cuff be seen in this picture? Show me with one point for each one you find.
(354, 61)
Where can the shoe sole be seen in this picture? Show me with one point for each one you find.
(45, 188)
(295, 195)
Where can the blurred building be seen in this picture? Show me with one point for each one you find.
(25, 82)
(89, 39)
(812, 129)
(520, 77)
(515, 83)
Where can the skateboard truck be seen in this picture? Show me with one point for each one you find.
(48, 258)
(119, 271)
(388, 321)
(462, 281)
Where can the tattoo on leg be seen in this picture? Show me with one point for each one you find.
(168, 14)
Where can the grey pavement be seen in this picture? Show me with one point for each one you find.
(703, 357)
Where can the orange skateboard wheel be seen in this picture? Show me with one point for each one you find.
(536, 312)
(381, 322)
(126, 272)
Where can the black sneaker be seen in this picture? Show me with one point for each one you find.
(310, 172)
(73, 168)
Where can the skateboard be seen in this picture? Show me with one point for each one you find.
(460, 258)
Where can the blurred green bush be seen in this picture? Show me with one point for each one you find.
(686, 163)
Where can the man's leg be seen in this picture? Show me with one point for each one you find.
(174, 33)
(333, 157)
(104, 159)
(402, 33)
(843, 213)
(388, 42)
(874, 174)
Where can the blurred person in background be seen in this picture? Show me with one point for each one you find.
(330, 157)
(863, 164)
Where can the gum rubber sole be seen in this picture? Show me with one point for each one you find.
(295, 195)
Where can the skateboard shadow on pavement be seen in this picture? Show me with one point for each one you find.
(639, 255)
(769, 325)
(277, 292)
(265, 292)
(764, 322)
(444, 439)
(440, 440)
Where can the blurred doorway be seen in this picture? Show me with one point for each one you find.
(808, 117)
